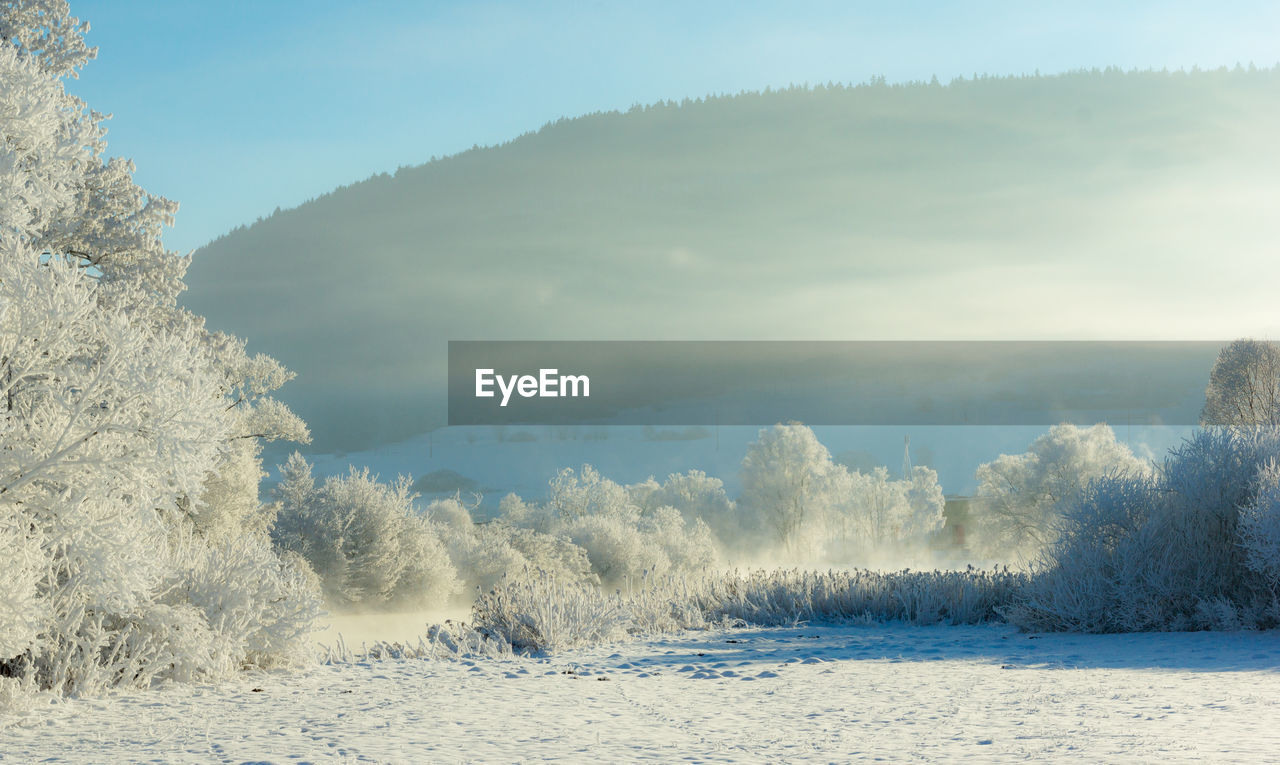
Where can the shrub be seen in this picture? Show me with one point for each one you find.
(365, 540)
(1183, 549)
(1020, 496)
(623, 540)
(1260, 527)
(483, 553)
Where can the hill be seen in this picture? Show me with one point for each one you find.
(1098, 204)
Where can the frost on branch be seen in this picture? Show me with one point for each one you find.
(45, 32)
(48, 139)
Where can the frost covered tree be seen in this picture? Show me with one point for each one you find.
(364, 539)
(1244, 386)
(874, 514)
(577, 494)
(788, 480)
(822, 511)
(115, 415)
(1017, 503)
(110, 427)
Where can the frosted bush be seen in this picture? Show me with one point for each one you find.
(110, 424)
(584, 493)
(874, 517)
(1183, 549)
(1260, 527)
(1207, 481)
(364, 539)
(514, 510)
(1092, 578)
(542, 552)
(1020, 496)
(618, 551)
(228, 504)
(686, 547)
(623, 540)
(261, 608)
(697, 496)
(483, 553)
(1244, 386)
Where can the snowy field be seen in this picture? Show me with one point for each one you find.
(759, 695)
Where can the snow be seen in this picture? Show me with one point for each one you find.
(752, 695)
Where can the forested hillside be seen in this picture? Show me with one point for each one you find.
(875, 211)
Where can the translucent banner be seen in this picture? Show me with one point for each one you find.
(827, 383)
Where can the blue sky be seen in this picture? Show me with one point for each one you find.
(234, 108)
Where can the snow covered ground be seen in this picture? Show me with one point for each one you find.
(758, 695)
